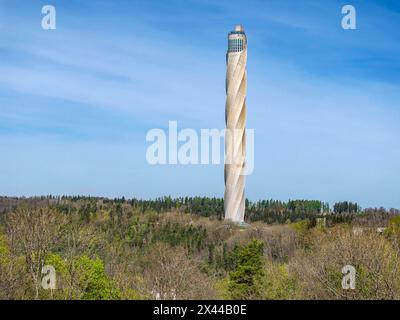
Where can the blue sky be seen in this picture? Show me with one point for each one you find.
(76, 102)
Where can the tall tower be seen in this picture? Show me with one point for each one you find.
(235, 118)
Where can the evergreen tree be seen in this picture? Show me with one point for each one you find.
(249, 268)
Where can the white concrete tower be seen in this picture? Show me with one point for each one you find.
(235, 118)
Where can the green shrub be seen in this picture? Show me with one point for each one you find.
(278, 283)
(83, 278)
(301, 227)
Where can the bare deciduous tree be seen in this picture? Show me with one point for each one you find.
(377, 265)
(33, 233)
(171, 274)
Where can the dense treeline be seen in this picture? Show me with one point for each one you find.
(269, 211)
(345, 206)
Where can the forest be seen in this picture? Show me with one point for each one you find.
(182, 248)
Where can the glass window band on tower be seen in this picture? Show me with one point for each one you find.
(236, 41)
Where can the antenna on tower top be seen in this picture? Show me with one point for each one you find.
(239, 27)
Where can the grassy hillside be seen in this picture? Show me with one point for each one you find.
(181, 249)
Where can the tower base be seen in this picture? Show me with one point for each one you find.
(240, 224)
